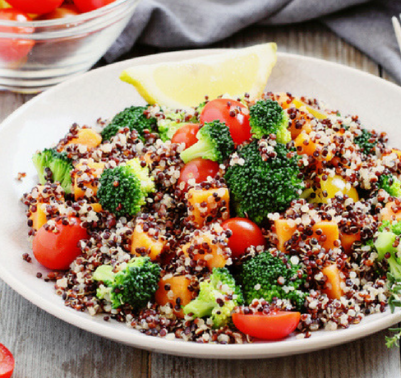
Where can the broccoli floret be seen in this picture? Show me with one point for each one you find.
(171, 122)
(391, 185)
(387, 234)
(174, 120)
(217, 298)
(200, 107)
(261, 187)
(366, 142)
(134, 285)
(386, 250)
(59, 165)
(268, 117)
(214, 143)
(133, 118)
(260, 279)
(394, 227)
(41, 160)
(123, 189)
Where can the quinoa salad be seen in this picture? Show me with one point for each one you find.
(225, 223)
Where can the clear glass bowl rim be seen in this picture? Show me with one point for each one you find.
(81, 18)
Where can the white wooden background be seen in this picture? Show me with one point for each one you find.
(46, 347)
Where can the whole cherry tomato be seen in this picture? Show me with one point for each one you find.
(198, 169)
(273, 326)
(58, 248)
(12, 50)
(234, 114)
(245, 234)
(186, 134)
(7, 362)
(35, 6)
(67, 10)
(90, 5)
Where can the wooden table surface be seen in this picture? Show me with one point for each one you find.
(47, 347)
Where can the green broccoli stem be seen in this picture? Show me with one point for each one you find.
(198, 150)
(217, 298)
(200, 308)
(384, 243)
(395, 267)
(384, 246)
(104, 273)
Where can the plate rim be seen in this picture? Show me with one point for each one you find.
(179, 347)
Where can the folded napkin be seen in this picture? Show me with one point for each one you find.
(194, 23)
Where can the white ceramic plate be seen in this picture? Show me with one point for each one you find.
(46, 118)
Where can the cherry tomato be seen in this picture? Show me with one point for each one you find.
(245, 233)
(186, 134)
(12, 50)
(35, 6)
(272, 326)
(198, 169)
(234, 114)
(7, 362)
(67, 10)
(57, 250)
(90, 5)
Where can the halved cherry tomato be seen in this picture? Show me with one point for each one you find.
(234, 114)
(90, 5)
(12, 50)
(245, 233)
(59, 248)
(7, 362)
(198, 169)
(186, 134)
(35, 6)
(67, 10)
(272, 326)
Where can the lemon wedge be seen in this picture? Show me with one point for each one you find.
(186, 83)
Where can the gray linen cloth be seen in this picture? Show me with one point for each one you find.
(177, 24)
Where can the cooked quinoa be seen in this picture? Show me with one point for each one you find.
(169, 217)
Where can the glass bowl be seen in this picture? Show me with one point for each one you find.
(37, 55)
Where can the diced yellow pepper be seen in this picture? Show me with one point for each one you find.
(333, 284)
(203, 204)
(284, 232)
(331, 232)
(177, 288)
(97, 207)
(96, 170)
(391, 212)
(332, 186)
(347, 241)
(87, 137)
(213, 258)
(316, 113)
(39, 216)
(141, 239)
